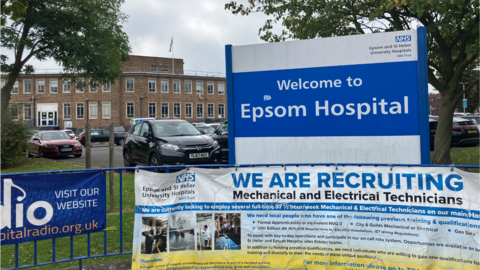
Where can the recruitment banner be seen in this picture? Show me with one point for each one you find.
(308, 217)
(45, 206)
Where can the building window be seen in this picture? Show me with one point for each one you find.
(67, 86)
(210, 110)
(106, 110)
(53, 86)
(221, 88)
(153, 68)
(40, 86)
(130, 110)
(27, 112)
(164, 110)
(67, 111)
(27, 86)
(152, 110)
(176, 86)
(80, 87)
(106, 87)
(221, 110)
(80, 111)
(188, 87)
(165, 68)
(14, 112)
(176, 110)
(199, 87)
(164, 86)
(199, 110)
(210, 88)
(93, 110)
(188, 110)
(151, 86)
(15, 88)
(93, 86)
(130, 85)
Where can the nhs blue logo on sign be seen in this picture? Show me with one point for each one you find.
(403, 38)
(186, 177)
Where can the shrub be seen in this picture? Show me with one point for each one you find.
(13, 142)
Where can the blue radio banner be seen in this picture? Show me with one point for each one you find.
(37, 207)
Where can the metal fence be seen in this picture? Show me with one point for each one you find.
(167, 170)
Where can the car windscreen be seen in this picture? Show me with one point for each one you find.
(169, 129)
(55, 135)
(119, 129)
(206, 129)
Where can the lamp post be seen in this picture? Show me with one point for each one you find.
(462, 83)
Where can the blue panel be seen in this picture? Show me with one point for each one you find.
(230, 105)
(423, 96)
(390, 82)
(52, 206)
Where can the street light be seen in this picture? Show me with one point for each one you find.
(463, 95)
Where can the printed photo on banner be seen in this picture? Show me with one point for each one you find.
(204, 231)
(154, 235)
(181, 232)
(228, 231)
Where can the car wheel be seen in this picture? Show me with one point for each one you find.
(155, 161)
(40, 152)
(121, 142)
(126, 159)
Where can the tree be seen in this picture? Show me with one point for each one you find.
(452, 37)
(84, 36)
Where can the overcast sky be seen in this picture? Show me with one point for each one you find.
(200, 31)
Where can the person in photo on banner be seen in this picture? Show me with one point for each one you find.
(207, 234)
(149, 238)
(161, 241)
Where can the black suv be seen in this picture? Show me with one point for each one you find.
(168, 142)
(221, 136)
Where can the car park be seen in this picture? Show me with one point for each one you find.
(103, 136)
(221, 136)
(168, 142)
(53, 144)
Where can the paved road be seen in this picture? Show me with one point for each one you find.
(100, 156)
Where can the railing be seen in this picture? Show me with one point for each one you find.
(43, 71)
(167, 170)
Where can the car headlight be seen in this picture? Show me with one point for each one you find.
(172, 147)
(215, 144)
(78, 144)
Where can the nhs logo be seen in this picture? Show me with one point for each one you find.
(403, 38)
(186, 177)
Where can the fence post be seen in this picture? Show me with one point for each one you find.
(88, 147)
(110, 164)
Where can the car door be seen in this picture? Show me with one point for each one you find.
(143, 143)
(94, 135)
(105, 135)
(133, 143)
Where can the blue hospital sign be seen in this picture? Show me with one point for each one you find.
(355, 99)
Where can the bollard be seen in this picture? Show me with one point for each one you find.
(88, 147)
(110, 165)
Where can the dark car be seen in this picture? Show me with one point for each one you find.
(168, 142)
(205, 129)
(464, 132)
(53, 144)
(120, 134)
(221, 136)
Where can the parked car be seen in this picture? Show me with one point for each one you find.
(206, 129)
(70, 133)
(474, 118)
(221, 136)
(53, 144)
(168, 142)
(120, 134)
(464, 132)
